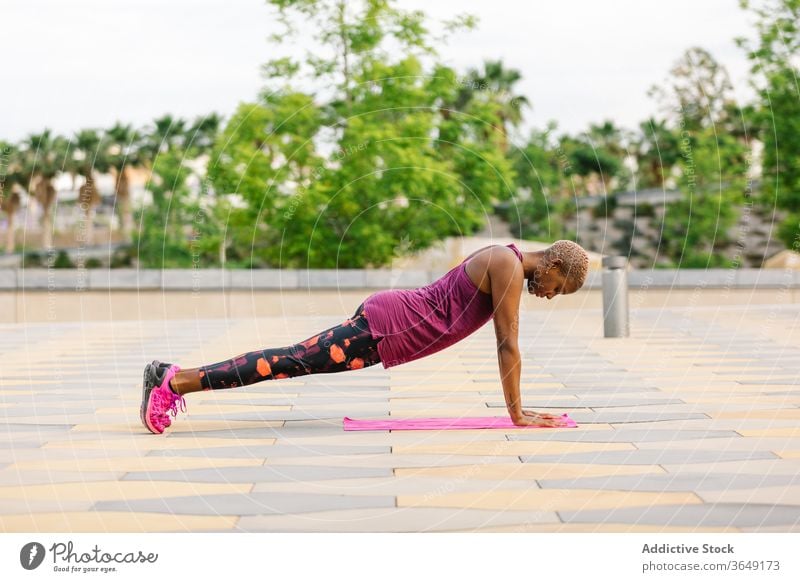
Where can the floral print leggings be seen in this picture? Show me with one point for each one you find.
(347, 346)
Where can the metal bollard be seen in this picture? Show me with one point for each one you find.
(615, 297)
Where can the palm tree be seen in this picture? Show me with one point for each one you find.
(44, 157)
(657, 152)
(200, 136)
(496, 83)
(89, 157)
(10, 180)
(124, 153)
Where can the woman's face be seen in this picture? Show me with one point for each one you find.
(551, 283)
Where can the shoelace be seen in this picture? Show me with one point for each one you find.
(173, 405)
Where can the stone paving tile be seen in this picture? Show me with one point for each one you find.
(741, 515)
(406, 519)
(764, 494)
(685, 481)
(592, 402)
(503, 472)
(248, 504)
(277, 450)
(295, 414)
(117, 521)
(599, 528)
(514, 448)
(109, 464)
(640, 457)
(394, 461)
(552, 500)
(644, 438)
(258, 473)
(394, 486)
(13, 477)
(26, 507)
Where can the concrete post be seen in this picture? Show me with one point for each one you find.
(615, 297)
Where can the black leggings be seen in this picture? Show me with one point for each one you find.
(347, 346)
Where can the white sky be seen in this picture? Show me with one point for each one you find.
(88, 63)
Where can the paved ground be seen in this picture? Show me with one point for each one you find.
(691, 424)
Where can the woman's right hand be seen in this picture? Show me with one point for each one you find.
(529, 418)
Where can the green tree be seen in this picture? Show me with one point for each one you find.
(712, 161)
(89, 155)
(11, 180)
(44, 156)
(774, 77)
(713, 179)
(124, 154)
(657, 151)
(377, 162)
(540, 181)
(494, 86)
(697, 93)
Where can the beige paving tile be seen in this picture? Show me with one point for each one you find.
(787, 400)
(784, 495)
(93, 522)
(596, 528)
(548, 499)
(183, 424)
(513, 448)
(151, 442)
(787, 454)
(504, 471)
(112, 490)
(206, 408)
(782, 414)
(129, 464)
(791, 432)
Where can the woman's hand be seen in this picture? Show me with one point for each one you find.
(533, 418)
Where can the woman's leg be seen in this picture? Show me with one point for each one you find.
(347, 346)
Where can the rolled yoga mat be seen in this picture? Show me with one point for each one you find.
(443, 423)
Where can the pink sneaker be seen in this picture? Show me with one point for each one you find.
(158, 398)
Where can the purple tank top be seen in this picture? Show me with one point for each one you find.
(418, 322)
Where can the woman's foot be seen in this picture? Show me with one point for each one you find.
(158, 398)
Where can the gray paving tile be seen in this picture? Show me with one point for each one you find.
(310, 401)
(290, 414)
(50, 429)
(47, 410)
(429, 487)
(626, 435)
(394, 461)
(257, 474)
(685, 481)
(753, 467)
(399, 519)
(248, 504)
(594, 402)
(640, 457)
(632, 416)
(270, 451)
(690, 516)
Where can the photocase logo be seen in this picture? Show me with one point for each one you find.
(32, 555)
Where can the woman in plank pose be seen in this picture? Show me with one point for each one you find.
(397, 326)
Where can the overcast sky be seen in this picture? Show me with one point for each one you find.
(88, 63)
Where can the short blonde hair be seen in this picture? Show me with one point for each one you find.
(574, 260)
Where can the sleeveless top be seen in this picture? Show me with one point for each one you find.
(414, 323)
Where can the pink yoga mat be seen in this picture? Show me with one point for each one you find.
(442, 423)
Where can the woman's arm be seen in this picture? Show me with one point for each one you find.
(506, 279)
